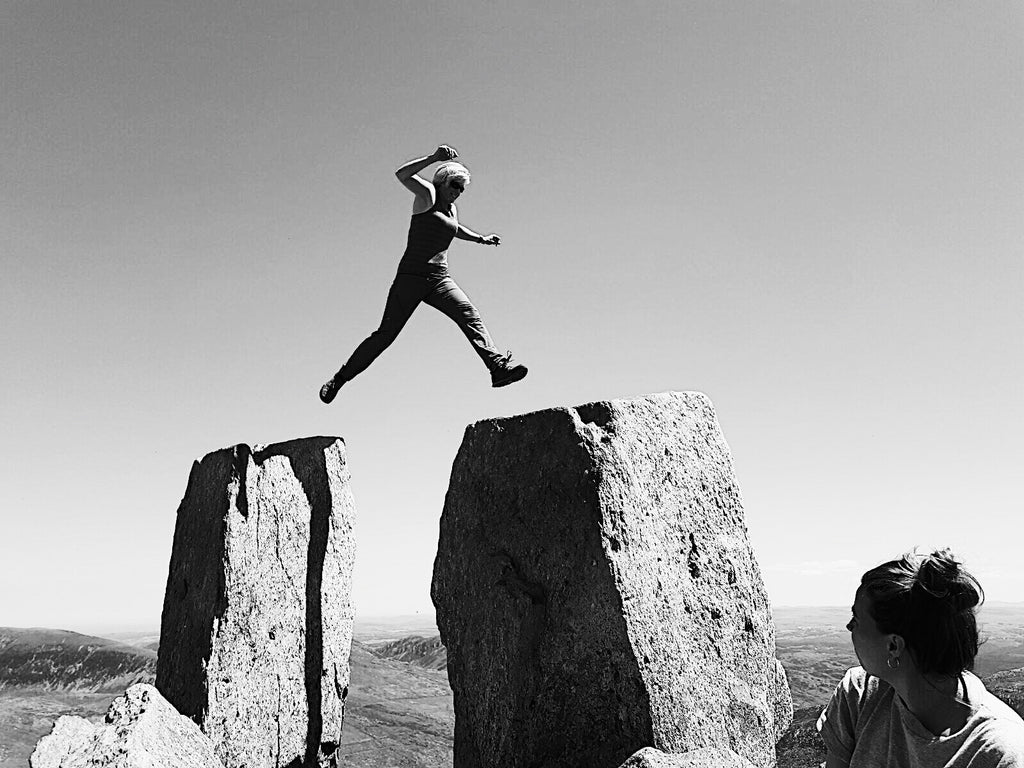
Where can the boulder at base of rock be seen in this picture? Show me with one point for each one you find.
(257, 620)
(141, 731)
(709, 757)
(597, 593)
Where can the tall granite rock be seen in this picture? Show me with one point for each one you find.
(257, 621)
(597, 593)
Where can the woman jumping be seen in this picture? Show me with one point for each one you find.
(423, 274)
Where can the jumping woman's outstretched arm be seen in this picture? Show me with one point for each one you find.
(419, 186)
(465, 233)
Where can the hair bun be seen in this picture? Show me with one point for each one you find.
(928, 600)
(940, 576)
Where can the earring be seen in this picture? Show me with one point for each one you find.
(893, 662)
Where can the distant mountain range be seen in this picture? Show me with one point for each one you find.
(426, 652)
(59, 659)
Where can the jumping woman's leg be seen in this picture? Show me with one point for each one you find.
(407, 291)
(453, 301)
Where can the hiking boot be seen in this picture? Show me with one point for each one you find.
(509, 373)
(331, 387)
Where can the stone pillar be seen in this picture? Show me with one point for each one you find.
(257, 619)
(597, 593)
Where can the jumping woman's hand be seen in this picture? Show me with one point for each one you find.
(490, 240)
(444, 153)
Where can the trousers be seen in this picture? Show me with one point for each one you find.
(407, 292)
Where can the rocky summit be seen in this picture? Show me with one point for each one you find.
(257, 620)
(141, 730)
(597, 592)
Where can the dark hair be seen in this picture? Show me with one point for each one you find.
(928, 600)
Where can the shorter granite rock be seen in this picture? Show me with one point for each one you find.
(141, 730)
(709, 757)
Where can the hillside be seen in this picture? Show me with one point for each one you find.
(46, 673)
(1008, 685)
(427, 652)
(55, 659)
(397, 714)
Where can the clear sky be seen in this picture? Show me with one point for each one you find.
(811, 211)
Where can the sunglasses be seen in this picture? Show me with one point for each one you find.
(457, 185)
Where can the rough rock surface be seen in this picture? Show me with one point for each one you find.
(709, 757)
(141, 731)
(597, 593)
(257, 621)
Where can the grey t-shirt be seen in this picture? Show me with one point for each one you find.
(867, 724)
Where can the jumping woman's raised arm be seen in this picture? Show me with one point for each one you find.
(420, 187)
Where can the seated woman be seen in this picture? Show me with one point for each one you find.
(913, 701)
(423, 276)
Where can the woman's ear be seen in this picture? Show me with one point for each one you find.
(897, 645)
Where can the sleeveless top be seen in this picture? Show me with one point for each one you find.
(426, 252)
